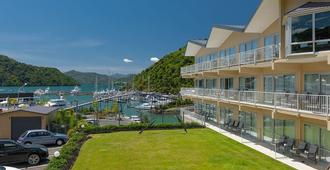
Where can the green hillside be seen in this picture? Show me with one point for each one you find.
(165, 74)
(90, 77)
(13, 73)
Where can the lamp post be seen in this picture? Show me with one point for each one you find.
(19, 90)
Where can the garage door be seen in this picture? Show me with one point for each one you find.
(22, 124)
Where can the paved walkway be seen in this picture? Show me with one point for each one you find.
(282, 158)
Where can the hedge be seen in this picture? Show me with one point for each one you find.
(80, 134)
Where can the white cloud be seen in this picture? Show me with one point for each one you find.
(127, 60)
(154, 59)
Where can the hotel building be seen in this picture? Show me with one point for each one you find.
(273, 74)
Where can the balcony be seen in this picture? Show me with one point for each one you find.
(260, 55)
(302, 103)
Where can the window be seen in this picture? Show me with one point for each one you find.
(317, 84)
(201, 83)
(285, 127)
(247, 51)
(33, 134)
(226, 83)
(285, 83)
(322, 31)
(308, 33)
(249, 120)
(9, 146)
(225, 115)
(247, 83)
(271, 44)
(268, 130)
(211, 83)
(319, 136)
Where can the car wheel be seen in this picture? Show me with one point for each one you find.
(27, 143)
(33, 159)
(59, 142)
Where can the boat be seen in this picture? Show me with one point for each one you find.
(135, 118)
(46, 90)
(75, 90)
(39, 92)
(144, 106)
(56, 102)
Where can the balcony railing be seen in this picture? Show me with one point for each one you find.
(304, 103)
(264, 54)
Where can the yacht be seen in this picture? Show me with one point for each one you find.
(135, 118)
(144, 106)
(56, 103)
(75, 90)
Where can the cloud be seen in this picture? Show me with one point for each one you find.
(127, 60)
(154, 59)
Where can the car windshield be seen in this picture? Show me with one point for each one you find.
(24, 134)
(2, 168)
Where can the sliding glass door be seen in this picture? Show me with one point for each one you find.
(317, 84)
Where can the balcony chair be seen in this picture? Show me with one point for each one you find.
(311, 153)
(281, 142)
(300, 149)
(231, 125)
(288, 145)
(240, 127)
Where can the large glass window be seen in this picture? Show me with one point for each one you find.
(317, 84)
(201, 83)
(247, 51)
(225, 115)
(285, 83)
(268, 130)
(249, 120)
(211, 83)
(271, 46)
(319, 136)
(309, 33)
(247, 83)
(226, 83)
(285, 127)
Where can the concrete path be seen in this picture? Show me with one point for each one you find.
(279, 157)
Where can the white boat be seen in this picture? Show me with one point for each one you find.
(46, 90)
(144, 106)
(56, 103)
(75, 90)
(135, 118)
(39, 92)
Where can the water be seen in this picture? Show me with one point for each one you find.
(89, 88)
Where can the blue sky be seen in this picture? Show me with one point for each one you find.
(96, 35)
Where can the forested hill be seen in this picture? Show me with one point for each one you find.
(13, 73)
(165, 74)
(90, 77)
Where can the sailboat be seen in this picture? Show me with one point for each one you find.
(75, 90)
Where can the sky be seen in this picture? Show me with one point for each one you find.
(97, 35)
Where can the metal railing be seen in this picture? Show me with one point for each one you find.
(259, 55)
(304, 103)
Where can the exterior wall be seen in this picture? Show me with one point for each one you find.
(5, 122)
(298, 120)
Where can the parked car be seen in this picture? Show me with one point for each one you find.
(43, 137)
(93, 122)
(13, 152)
(7, 168)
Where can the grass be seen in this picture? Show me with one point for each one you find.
(170, 149)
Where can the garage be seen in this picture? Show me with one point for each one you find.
(14, 122)
(19, 125)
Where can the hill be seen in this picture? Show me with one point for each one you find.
(165, 74)
(13, 73)
(89, 77)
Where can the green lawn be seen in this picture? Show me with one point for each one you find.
(170, 149)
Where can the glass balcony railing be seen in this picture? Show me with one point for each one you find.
(264, 54)
(303, 103)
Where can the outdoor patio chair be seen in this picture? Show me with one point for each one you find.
(288, 145)
(300, 149)
(311, 153)
(281, 142)
(240, 127)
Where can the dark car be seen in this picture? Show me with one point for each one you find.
(13, 152)
(42, 137)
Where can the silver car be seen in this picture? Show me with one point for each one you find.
(43, 137)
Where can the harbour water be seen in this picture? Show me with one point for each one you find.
(90, 88)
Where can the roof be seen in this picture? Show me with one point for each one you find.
(35, 109)
(194, 46)
(236, 28)
(309, 7)
(199, 42)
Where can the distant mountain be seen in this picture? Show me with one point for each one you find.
(165, 74)
(90, 77)
(13, 73)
